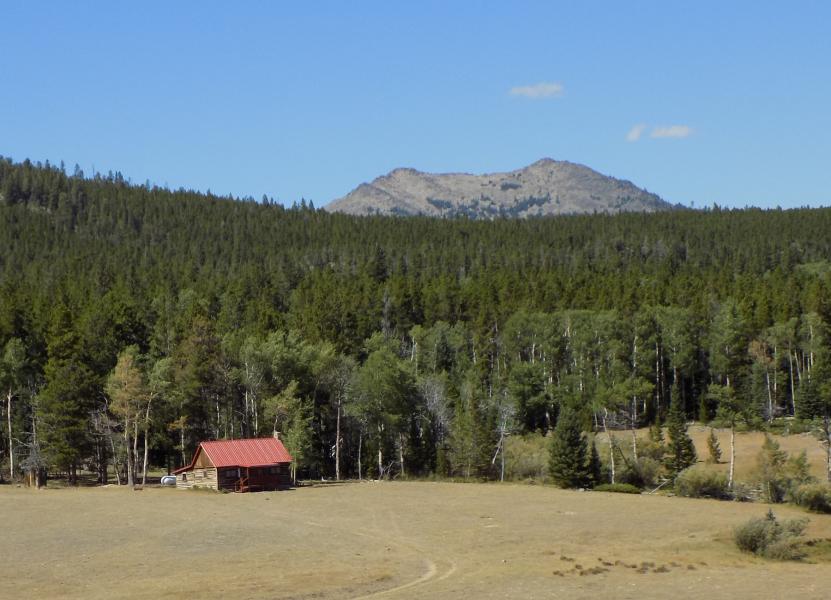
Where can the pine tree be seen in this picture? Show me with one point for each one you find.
(595, 467)
(680, 449)
(66, 399)
(713, 447)
(656, 433)
(568, 461)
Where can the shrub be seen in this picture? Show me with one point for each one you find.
(526, 457)
(642, 473)
(770, 538)
(815, 497)
(778, 474)
(789, 426)
(655, 446)
(620, 488)
(742, 492)
(701, 483)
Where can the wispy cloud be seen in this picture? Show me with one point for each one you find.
(538, 90)
(671, 131)
(636, 132)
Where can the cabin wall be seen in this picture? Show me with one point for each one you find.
(197, 478)
(228, 477)
(203, 461)
(255, 478)
(270, 478)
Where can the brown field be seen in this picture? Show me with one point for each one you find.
(388, 540)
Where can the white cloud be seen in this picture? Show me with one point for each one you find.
(635, 133)
(671, 131)
(538, 90)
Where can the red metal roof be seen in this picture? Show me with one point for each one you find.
(258, 452)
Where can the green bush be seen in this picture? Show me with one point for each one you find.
(789, 426)
(701, 483)
(620, 488)
(526, 457)
(815, 497)
(770, 538)
(778, 474)
(743, 492)
(643, 473)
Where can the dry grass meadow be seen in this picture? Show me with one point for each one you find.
(388, 540)
(748, 444)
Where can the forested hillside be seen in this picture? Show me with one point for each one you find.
(132, 313)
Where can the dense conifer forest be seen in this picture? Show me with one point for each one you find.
(136, 321)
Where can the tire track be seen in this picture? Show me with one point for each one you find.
(430, 566)
(432, 570)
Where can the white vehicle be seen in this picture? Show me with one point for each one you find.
(168, 480)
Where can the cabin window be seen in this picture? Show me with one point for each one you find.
(184, 477)
(274, 470)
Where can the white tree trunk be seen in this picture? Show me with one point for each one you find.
(401, 453)
(337, 444)
(360, 446)
(826, 422)
(135, 447)
(732, 456)
(502, 465)
(11, 441)
(128, 449)
(793, 388)
(182, 442)
(611, 449)
(112, 448)
(380, 452)
(146, 444)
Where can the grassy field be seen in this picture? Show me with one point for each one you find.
(748, 445)
(388, 540)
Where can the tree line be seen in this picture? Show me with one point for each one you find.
(136, 321)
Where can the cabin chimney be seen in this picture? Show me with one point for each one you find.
(276, 435)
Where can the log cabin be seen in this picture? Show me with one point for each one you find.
(246, 465)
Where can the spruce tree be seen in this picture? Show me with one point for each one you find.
(595, 467)
(680, 449)
(568, 461)
(66, 399)
(713, 447)
(656, 433)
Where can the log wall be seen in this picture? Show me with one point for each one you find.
(198, 477)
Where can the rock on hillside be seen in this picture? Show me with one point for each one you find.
(547, 187)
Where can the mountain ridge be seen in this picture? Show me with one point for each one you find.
(545, 187)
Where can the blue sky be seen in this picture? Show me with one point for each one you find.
(700, 102)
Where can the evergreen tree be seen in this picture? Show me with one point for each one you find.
(595, 466)
(680, 449)
(713, 447)
(656, 433)
(568, 460)
(67, 398)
